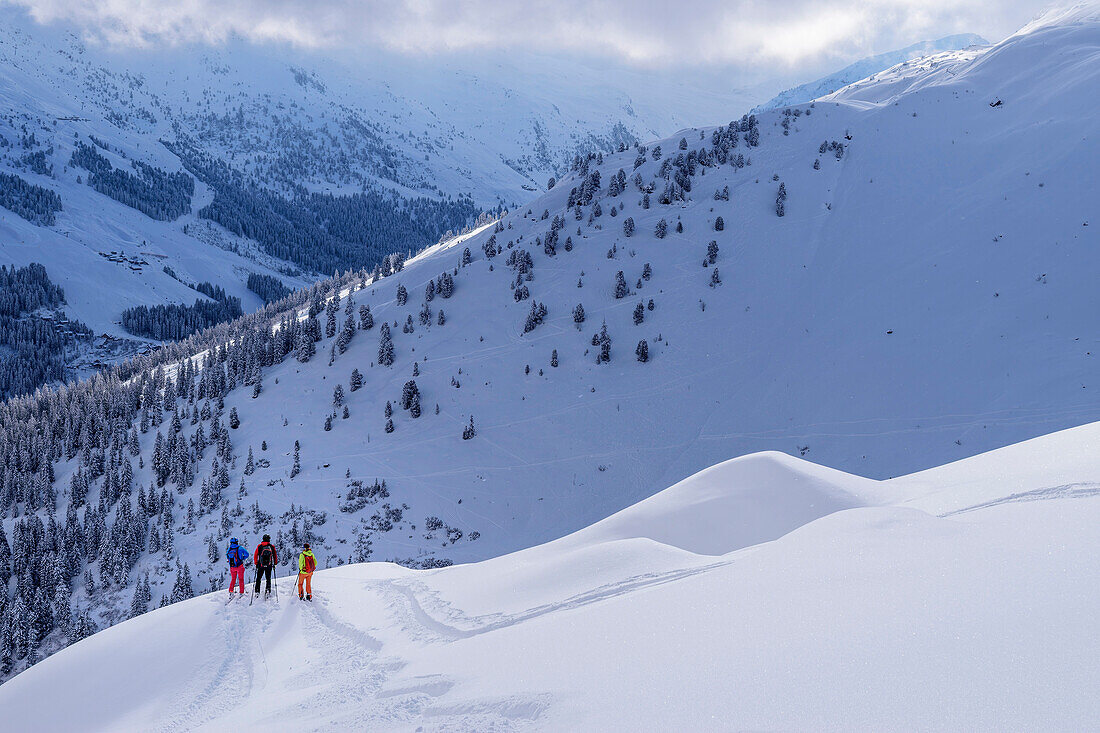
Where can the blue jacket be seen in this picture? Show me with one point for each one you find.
(236, 556)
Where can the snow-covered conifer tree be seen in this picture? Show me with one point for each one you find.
(385, 346)
(621, 288)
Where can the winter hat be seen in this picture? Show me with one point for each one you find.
(233, 541)
(267, 538)
(307, 545)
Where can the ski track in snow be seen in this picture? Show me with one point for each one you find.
(417, 599)
(353, 679)
(343, 686)
(348, 686)
(340, 680)
(239, 634)
(1081, 490)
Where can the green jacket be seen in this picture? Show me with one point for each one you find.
(302, 562)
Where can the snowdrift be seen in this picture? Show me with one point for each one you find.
(867, 614)
(741, 502)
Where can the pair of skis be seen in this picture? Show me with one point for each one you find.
(233, 596)
(300, 596)
(275, 575)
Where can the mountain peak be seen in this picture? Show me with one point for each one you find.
(866, 67)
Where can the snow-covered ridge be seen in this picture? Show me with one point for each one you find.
(735, 504)
(862, 613)
(868, 67)
(1059, 46)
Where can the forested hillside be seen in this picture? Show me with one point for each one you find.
(37, 337)
(249, 160)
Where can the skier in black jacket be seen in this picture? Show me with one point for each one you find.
(265, 558)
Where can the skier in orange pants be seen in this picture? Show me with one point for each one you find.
(307, 563)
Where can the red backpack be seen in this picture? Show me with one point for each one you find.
(311, 563)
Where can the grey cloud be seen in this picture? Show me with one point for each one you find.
(749, 33)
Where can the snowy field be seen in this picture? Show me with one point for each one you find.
(763, 593)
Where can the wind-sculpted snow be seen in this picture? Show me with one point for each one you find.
(735, 504)
(871, 616)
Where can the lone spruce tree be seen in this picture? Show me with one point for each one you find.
(385, 346)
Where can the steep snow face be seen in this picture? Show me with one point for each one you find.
(868, 67)
(874, 616)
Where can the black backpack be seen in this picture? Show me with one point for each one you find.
(266, 555)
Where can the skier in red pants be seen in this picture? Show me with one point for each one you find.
(237, 558)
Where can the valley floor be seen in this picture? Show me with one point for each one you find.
(960, 598)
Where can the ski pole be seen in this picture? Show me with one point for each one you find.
(253, 596)
(275, 574)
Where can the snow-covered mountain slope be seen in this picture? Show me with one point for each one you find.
(868, 67)
(109, 257)
(927, 295)
(106, 255)
(293, 121)
(923, 298)
(860, 613)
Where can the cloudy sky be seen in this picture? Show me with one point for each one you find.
(785, 36)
